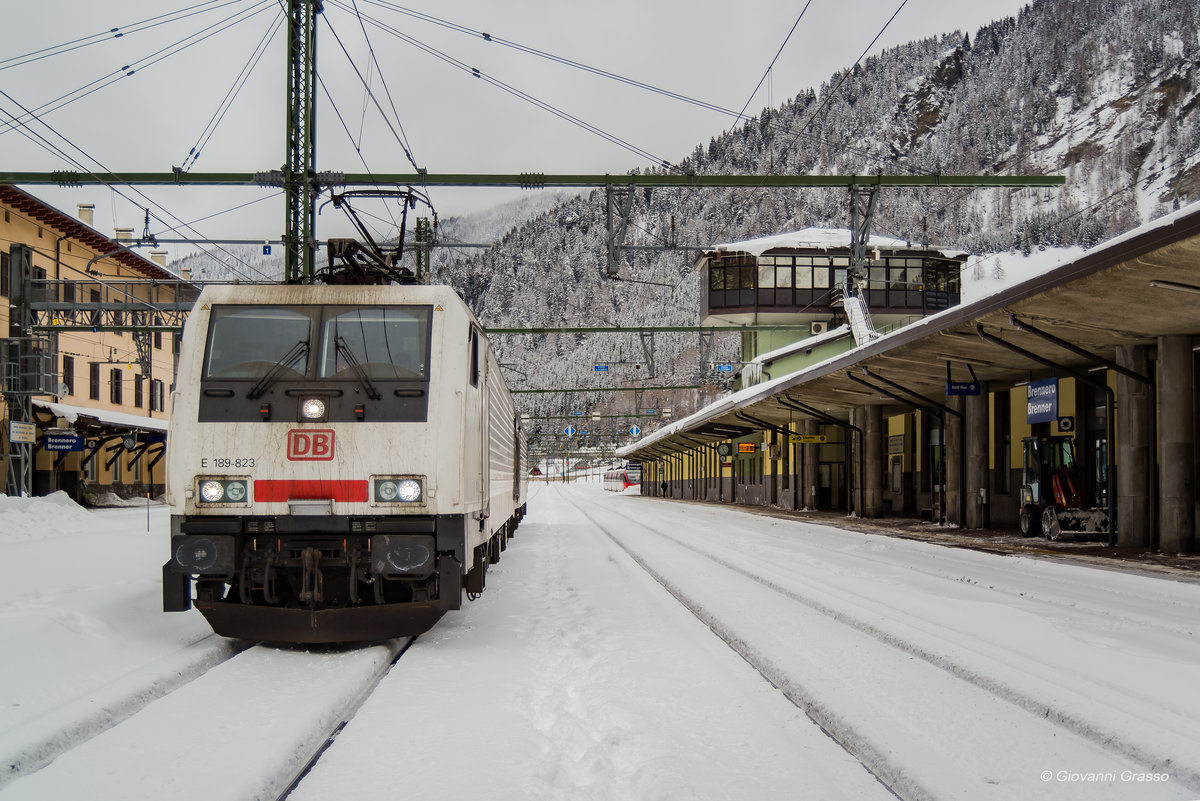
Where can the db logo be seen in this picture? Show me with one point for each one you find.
(310, 445)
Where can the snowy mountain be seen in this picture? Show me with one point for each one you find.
(1105, 92)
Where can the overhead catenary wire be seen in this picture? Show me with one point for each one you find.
(489, 79)
(227, 102)
(774, 124)
(145, 62)
(113, 33)
(41, 141)
(786, 39)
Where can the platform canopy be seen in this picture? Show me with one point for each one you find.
(1127, 291)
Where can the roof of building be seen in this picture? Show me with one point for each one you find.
(822, 239)
(1126, 291)
(105, 416)
(66, 224)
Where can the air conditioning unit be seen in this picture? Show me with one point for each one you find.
(820, 327)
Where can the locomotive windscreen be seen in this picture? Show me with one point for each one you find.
(247, 341)
(388, 341)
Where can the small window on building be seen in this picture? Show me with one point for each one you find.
(68, 373)
(138, 399)
(156, 395)
(94, 381)
(114, 386)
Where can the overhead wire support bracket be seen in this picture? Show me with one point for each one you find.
(619, 199)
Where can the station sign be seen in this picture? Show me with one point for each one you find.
(649, 411)
(25, 433)
(62, 442)
(724, 368)
(962, 388)
(808, 439)
(600, 368)
(577, 414)
(1041, 401)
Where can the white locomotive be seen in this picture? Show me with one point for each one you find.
(343, 461)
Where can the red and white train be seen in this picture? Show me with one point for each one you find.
(344, 461)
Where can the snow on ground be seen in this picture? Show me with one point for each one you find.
(576, 676)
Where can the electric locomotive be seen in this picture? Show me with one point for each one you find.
(344, 462)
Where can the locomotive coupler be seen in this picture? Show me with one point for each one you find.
(312, 583)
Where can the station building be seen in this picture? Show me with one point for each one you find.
(1064, 406)
(88, 357)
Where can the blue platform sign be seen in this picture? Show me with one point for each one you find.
(962, 388)
(576, 414)
(569, 431)
(724, 368)
(1041, 401)
(62, 442)
(600, 368)
(649, 411)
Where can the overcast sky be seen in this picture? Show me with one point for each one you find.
(708, 51)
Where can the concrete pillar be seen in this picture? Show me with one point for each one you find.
(1176, 445)
(954, 466)
(808, 489)
(1134, 412)
(870, 420)
(976, 432)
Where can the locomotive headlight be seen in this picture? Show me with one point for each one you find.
(212, 491)
(226, 491)
(399, 489)
(409, 490)
(312, 409)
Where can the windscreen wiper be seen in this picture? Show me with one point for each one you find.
(285, 362)
(347, 354)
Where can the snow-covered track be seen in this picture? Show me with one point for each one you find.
(923, 696)
(33, 745)
(248, 728)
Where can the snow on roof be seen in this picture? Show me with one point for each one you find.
(72, 413)
(1053, 262)
(822, 238)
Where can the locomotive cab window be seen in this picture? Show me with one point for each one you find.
(473, 342)
(386, 342)
(249, 341)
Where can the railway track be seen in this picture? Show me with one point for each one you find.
(248, 727)
(910, 680)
